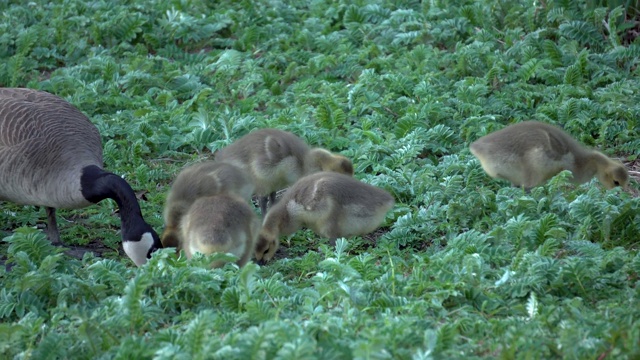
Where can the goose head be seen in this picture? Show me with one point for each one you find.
(140, 243)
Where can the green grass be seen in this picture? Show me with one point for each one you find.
(464, 266)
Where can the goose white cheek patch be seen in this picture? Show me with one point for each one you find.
(137, 250)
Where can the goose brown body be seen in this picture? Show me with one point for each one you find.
(331, 204)
(51, 156)
(222, 223)
(45, 143)
(529, 153)
(275, 159)
(203, 179)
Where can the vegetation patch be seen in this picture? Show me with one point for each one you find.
(464, 266)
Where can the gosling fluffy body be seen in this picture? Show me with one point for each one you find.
(529, 153)
(51, 156)
(203, 179)
(331, 204)
(275, 159)
(220, 224)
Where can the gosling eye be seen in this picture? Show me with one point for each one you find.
(616, 182)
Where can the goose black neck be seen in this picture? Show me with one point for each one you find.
(98, 185)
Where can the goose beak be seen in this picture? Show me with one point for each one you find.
(152, 250)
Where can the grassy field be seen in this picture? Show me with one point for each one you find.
(464, 266)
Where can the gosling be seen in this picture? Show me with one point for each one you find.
(529, 153)
(199, 180)
(275, 159)
(332, 205)
(220, 224)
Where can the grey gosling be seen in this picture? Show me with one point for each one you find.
(529, 153)
(207, 178)
(275, 159)
(331, 204)
(221, 223)
(51, 156)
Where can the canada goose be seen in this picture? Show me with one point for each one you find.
(275, 159)
(221, 223)
(207, 178)
(331, 204)
(51, 156)
(529, 153)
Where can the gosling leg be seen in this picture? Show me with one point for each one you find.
(262, 201)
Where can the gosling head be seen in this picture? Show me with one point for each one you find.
(266, 247)
(139, 248)
(324, 160)
(615, 174)
(170, 237)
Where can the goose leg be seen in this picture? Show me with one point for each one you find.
(332, 241)
(262, 201)
(334, 230)
(52, 226)
(272, 198)
(525, 190)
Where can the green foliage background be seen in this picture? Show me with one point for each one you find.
(466, 267)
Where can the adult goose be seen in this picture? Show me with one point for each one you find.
(51, 156)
